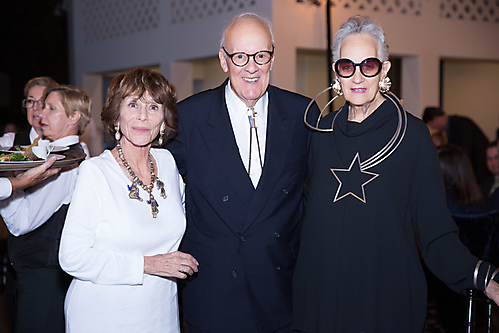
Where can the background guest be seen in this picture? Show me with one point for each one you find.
(126, 218)
(462, 190)
(35, 218)
(492, 184)
(463, 132)
(490, 187)
(33, 103)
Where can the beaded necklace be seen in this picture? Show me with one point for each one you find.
(134, 190)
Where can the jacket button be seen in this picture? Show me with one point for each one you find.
(234, 273)
(285, 191)
(277, 235)
(278, 268)
(242, 238)
(226, 198)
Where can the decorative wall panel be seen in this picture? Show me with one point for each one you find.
(410, 7)
(107, 19)
(473, 10)
(189, 10)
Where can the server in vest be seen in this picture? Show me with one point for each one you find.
(35, 218)
(33, 104)
(242, 150)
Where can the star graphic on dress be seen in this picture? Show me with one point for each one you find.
(352, 180)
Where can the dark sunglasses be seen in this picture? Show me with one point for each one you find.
(369, 67)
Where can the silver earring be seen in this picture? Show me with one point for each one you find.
(337, 86)
(385, 84)
(117, 134)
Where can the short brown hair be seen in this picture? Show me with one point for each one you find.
(137, 82)
(44, 81)
(73, 99)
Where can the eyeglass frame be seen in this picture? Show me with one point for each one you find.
(231, 56)
(39, 102)
(379, 62)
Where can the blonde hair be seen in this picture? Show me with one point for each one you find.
(73, 99)
(43, 81)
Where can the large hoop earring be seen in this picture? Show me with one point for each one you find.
(385, 84)
(117, 134)
(305, 116)
(337, 86)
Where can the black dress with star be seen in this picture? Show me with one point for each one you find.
(358, 269)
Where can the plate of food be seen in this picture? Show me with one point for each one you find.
(18, 162)
(20, 148)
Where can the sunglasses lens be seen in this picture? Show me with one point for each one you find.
(370, 67)
(345, 68)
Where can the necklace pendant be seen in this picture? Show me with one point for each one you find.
(134, 192)
(352, 181)
(161, 187)
(154, 205)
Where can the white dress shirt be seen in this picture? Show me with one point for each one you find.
(5, 188)
(238, 113)
(28, 209)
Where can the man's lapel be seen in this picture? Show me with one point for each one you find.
(279, 133)
(220, 141)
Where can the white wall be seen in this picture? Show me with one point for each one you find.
(470, 89)
(182, 36)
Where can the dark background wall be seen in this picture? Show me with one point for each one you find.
(33, 42)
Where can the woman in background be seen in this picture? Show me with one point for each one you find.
(126, 218)
(33, 103)
(462, 190)
(36, 215)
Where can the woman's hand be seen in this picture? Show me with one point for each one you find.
(176, 264)
(35, 175)
(492, 291)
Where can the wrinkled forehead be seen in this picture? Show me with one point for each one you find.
(142, 95)
(247, 35)
(358, 47)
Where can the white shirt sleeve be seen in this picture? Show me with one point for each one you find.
(28, 209)
(7, 140)
(5, 188)
(78, 253)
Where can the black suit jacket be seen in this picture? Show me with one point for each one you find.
(245, 239)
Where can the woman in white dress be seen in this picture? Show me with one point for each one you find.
(126, 219)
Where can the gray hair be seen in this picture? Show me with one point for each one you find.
(255, 16)
(356, 25)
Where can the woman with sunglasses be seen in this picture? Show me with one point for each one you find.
(374, 181)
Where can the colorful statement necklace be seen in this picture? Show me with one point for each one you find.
(134, 190)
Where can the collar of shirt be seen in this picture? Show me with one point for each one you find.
(237, 108)
(33, 135)
(66, 141)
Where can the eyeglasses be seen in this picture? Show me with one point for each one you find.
(28, 103)
(369, 67)
(240, 59)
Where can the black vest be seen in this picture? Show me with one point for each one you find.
(22, 139)
(40, 247)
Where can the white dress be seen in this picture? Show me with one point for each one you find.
(103, 244)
